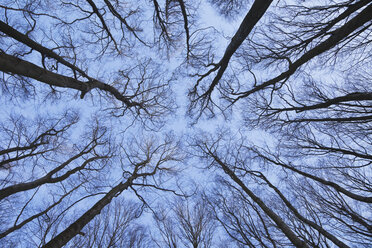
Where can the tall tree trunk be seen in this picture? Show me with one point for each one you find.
(74, 229)
(268, 211)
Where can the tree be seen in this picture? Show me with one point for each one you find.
(292, 167)
(300, 205)
(65, 178)
(297, 42)
(69, 60)
(186, 224)
(114, 227)
(311, 183)
(57, 176)
(143, 162)
(40, 161)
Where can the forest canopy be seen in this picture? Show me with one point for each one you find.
(186, 123)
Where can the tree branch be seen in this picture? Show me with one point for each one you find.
(12, 64)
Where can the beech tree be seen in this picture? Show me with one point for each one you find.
(47, 180)
(60, 173)
(63, 45)
(302, 77)
(115, 227)
(290, 37)
(40, 161)
(297, 207)
(91, 91)
(186, 224)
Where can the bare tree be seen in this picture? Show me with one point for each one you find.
(114, 227)
(42, 170)
(187, 224)
(302, 77)
(51, 170)
(145, 161)
(296, 71)
(257, 10)
(301, 205)
(298, 38)
(138, 86)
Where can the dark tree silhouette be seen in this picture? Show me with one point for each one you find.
(92, 94)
